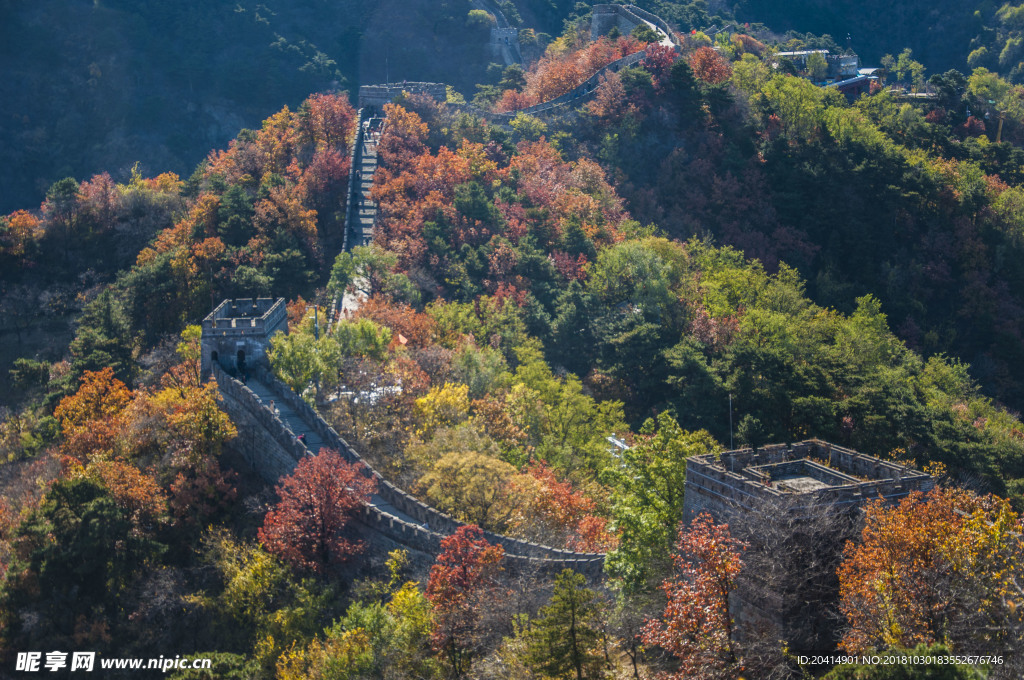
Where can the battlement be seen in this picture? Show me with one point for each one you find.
(236, 334)
(813, 472)
(246, 314)
(376, 96)
(604, 17)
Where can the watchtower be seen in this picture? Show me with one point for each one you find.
(237, 333)
(813, 472)
(376, 96)
(796, 506)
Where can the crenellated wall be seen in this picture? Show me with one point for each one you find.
(626, 17)
(580, 94)
(355, 158)
(376, 96)
(266, 442)
(273, 451)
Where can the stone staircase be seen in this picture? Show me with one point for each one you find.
(361, 211)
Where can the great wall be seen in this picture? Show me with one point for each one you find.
(270, 416)
(361, 211)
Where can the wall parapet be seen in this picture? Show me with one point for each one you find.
(376, 96)
(433, 525)
(283, 437)
(580, 94)
(355, 157)
(627, 17)
(399, 499)
(660, 23)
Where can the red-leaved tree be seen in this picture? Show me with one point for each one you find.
(317, 500)
(696, 627)
(461, 584)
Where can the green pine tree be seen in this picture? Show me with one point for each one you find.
(562, 642)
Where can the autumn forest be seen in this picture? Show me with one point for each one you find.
(713, 248)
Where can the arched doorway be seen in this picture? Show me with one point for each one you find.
(240, 360)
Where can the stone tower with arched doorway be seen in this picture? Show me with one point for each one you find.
(237, 333)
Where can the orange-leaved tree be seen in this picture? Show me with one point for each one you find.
(461, 585)
(710, 66)
(100, 395)
(90, 419)
(557, 73)
(565, 514)
(18, 231)
(317, 501)
(942, 567)
(696, 627)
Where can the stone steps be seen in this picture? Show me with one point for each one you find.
(362, 209)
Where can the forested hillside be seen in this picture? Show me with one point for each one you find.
(939, 33)
(97, 87)
(556, 314)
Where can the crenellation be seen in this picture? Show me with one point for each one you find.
(814, 470)
(376, 96)
(279, 451)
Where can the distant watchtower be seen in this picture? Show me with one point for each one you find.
(237, 333)
(376, 96)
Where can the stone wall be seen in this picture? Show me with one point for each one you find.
(765, 495)
(263, 440)
(272, 451)
(722, 484)
(605, 17)
(660, 23)
(625, 17)
(352, 204)
(575, 97)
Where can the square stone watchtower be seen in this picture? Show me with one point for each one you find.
(813, 472)
(796, 506)
(237, 333)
